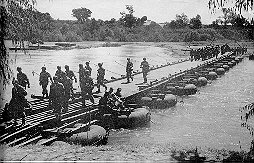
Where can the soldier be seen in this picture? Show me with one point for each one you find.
(145, 69)
(60, 74)
(67, 83)
(43, 81)
(70, 74)
(100, 77)
(87, 67)
(81, 72)
(87, 86)
(22, 78)
(129, 69)
(18, 102)
(56, 96)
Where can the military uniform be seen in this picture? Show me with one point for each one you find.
(60, 75)
(56, 96)
(129, 69)
(18, 103)
(145, 69)
(22, 79)
(87, 67)
(43, 81)
(100, 78)
(87, 86)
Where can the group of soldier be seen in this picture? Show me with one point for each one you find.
(204, 53)
(61, 87)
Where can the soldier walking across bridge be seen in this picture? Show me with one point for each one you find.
(56, 96)
(18, 103)
(22, 78)
(100, 77)
(129, 69)
(44, 80)
(70, 74)
(145, 69)
(87, 85)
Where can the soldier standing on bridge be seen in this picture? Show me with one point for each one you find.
(22, 78)
(70, 74)
(100, 77)
(43, 81)
(87, 86)
(145, 69)
(56, 96)
(87, 67)
(129, 69)
(18, 102)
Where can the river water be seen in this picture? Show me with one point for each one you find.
(210, 118)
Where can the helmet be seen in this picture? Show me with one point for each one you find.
(58, 67)
(87, 63)
(43, 68)
(66, 66)
(99, 64)
(144, 59)
(19, 68)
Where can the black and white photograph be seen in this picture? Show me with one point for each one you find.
(127, 80)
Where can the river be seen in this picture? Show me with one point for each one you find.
(210, 118)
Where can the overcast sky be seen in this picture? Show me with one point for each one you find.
(156, 10)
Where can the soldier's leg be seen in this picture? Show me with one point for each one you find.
(90, 94)
(23, 118)
(128, 77)
(44, 90)
(98, 86)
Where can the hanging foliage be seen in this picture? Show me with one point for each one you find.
(18, 24)
(234, 5)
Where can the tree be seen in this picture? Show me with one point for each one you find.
(181, 20)
(82, 14)
(128, 19)
(196, 22)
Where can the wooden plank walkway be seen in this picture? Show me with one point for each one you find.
(133, 87)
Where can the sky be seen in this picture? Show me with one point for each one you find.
(159, 11)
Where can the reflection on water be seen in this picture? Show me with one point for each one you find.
(209, 118)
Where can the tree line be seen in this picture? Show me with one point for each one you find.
(133, 29)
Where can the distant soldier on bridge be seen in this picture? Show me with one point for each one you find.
(145, 69)
(100, 77)
(22, 78)
(129, 69)
(44, 80)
